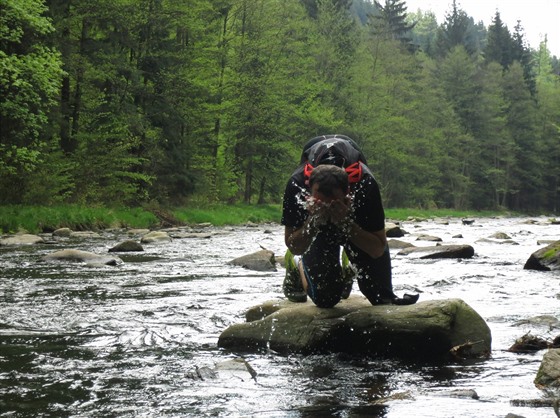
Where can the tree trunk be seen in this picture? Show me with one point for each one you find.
(77, 105)
(216, 168)
(66, 143)
(248, 181)
(261, 200)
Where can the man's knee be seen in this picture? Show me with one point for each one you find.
(325, 289)
(325, 301)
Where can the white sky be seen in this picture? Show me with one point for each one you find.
(538, 17)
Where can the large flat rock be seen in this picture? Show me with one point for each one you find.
(428, 329)
(439, 251)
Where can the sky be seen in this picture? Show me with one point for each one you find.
(538, 17)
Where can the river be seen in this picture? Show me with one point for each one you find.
(122, 341)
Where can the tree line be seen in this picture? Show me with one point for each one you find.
(123, 102)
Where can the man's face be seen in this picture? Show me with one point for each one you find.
(337, 194)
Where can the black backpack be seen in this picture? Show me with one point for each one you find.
(338, 150)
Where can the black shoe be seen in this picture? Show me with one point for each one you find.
(292, 286)
(405, 300)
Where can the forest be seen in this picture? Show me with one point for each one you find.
(184, 102)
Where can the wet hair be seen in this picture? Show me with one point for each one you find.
(329, 178)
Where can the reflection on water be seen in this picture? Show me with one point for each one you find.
(77, 340)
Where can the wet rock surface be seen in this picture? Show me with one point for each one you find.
(426, 329)
(439, 251)
(21, 239)
(548, 375)
(545, 259)
(71, 255)
(262, 260)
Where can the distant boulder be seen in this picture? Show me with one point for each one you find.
(84, 234)
(127, 246)
(21, 239)
(262, 260)
(500, 235)
(395, 244)
(439, 251)
(393, 230)
(82, 257)
(155, 236)
(545, 259)
(138, 231)
(62, 232)
(431, 238)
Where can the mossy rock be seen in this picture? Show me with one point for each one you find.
(428, 329)
(545, 259)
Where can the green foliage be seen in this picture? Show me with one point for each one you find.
(499, 46)
(458, 29)
(425, 31)
(392, 22)
(34, 219)
(30, 74)
(124, 102)
(105, 168)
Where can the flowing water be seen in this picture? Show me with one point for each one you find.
(84, 341)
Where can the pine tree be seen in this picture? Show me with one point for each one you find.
(457, 29)
(522, 53)
(499, 47)
(391, 22)
(425, 31)
(522, 122)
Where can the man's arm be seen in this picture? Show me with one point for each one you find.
(299, 239)
(372, 243)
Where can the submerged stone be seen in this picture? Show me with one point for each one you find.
(21, 239)
(82, 257)
(428, 329)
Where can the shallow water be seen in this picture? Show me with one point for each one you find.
(79, 340)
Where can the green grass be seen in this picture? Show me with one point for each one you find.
(220, 215)
(34, 219)
(398, 214)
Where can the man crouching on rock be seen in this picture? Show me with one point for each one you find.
(332, 201)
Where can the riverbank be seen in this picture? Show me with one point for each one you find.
(34, 219)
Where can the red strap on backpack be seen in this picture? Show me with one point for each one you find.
(354, 172)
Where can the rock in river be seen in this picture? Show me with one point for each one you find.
(21, 239)
(545, 259)
(127, 246)
(440, 251)
(428, 329)
(262, 260)
(548, 375)
(83, 257)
